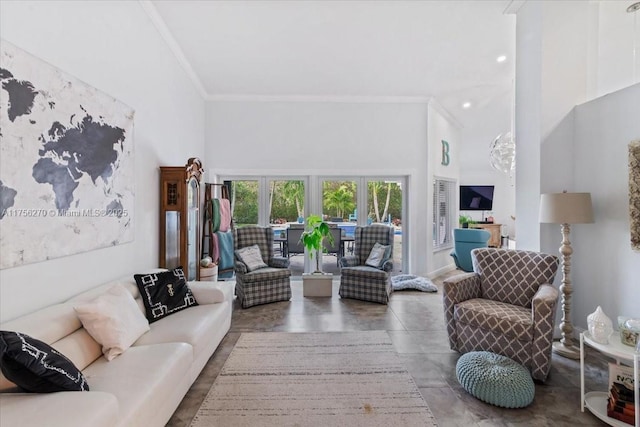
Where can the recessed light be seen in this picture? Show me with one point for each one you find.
(501, 58)
(466, 105)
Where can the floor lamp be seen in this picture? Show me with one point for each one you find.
(565, 209)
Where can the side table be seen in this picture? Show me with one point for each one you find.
(596, 401)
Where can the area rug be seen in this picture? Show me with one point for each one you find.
(314, 379)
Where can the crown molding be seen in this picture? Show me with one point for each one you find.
(513, 6)
(444, 113)
(165, 33)
(323, 98)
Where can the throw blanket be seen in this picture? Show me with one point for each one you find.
(225, 214)
(225, 246)
(409, 281)
(215, 249)
(215, 215)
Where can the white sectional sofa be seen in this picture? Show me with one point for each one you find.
(141, 387)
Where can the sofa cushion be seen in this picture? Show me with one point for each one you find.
(37, 367)
(48, 324)
(114, 320)
(203, 327)
(164, 293)
(145, 380)
(95, 409)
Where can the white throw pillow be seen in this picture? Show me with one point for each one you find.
(114, 320)
(251, 257)
(378, 255)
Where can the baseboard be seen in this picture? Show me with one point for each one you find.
(441, 271)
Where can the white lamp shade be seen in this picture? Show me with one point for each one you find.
(566, 208)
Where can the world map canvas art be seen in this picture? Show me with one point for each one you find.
(66, 163)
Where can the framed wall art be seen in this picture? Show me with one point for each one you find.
(66, 163)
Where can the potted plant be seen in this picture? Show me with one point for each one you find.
(313, 237)
(465, 220)
(316, 283)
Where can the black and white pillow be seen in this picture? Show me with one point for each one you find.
(37, 367)
(164, 293)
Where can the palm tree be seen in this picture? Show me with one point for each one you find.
(375, 187)
(293, 191)
(340, 199)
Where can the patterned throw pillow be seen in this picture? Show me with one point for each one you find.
(37, 367)
(251, 257)
(378, 256)
(164, 293)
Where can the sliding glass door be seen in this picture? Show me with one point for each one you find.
(283, 202)
(286, 201)
(352, 201)
(244, 201)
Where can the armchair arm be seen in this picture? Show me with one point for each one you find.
(387, 266)
(457, 289)
(349, 261)
(279, 262)
(240, 267)
(543, 312)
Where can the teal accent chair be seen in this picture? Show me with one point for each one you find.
(464, 240)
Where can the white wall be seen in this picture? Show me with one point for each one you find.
(551, 77)
(605, 270)
(327, 138)
(114, 47)
(440, 127)
(615, 38)
(563, 49)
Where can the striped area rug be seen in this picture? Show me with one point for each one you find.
(314, 379)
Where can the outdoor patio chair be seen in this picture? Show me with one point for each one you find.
(334, 249)
(294, 245)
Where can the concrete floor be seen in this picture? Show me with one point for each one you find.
(415, 323)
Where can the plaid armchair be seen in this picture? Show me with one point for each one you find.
(265, 285)
(360, 281)
(506, 306)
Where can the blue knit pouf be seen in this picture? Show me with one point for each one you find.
(495, 379)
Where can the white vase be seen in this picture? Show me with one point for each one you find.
(600, 326)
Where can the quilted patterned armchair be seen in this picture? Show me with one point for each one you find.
(264, 285)
(363, 282)
(507, 306)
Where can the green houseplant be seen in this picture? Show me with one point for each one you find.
(313, 237)
(465, 220)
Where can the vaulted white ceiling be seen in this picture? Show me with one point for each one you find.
(361, 50)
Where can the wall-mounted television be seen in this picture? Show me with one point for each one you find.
(476, 197)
